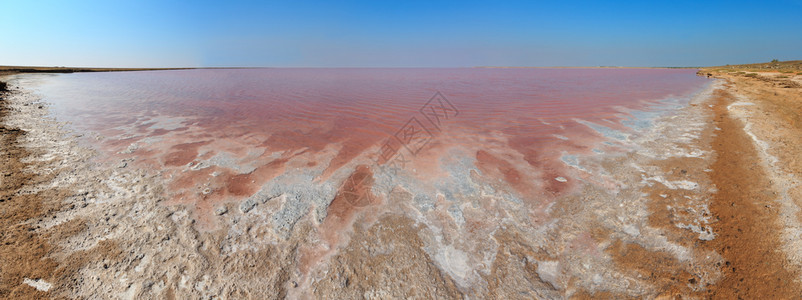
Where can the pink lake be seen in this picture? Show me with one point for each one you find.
(221, 136)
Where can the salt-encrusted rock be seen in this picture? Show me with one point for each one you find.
(247, 205)
(221, 210)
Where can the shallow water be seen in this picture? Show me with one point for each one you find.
(220, 136)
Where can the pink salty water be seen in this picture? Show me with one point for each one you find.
(219, 136)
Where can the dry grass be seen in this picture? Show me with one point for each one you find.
(779, 73)
(791, 66)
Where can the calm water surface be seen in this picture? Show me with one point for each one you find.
(219, 136)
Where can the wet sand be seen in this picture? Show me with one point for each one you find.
(704, 209)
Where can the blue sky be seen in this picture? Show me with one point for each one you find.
(397, 33)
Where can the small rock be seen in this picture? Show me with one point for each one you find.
(221, 210)
(561, 179)
(631, 230)
(247, 205)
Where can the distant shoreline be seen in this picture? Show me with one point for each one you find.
(769, 66)
(596, 67)
(31, 69)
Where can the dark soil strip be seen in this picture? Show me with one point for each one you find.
(22, 251)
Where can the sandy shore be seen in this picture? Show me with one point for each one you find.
(708, 209)
(757, 169)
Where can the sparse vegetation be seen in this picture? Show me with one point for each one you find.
(775, 60)
(779, 74)
(783, 71)
(773, 66)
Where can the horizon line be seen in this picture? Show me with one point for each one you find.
(73, 68)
